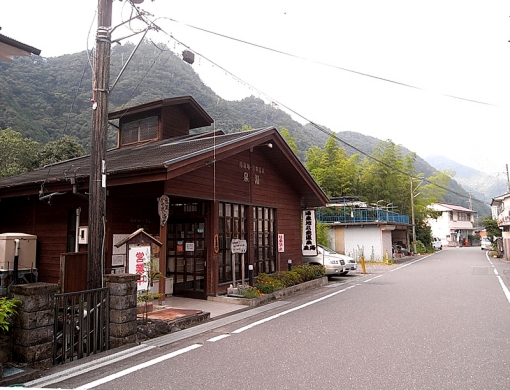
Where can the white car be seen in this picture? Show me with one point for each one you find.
(486, 243)
(437, 244)
(350, 265)
(333, 262)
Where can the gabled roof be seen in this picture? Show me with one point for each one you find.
(10, 48)
(169, 158)
(452, 207)
(497, 200)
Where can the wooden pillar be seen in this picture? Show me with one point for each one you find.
(97, 184)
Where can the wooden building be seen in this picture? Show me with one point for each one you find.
(194, 192)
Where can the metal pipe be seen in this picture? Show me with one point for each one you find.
(77, 232)
(16, 260)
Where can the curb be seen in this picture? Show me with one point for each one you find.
(254, 302)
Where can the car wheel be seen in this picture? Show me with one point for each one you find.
(344, 273)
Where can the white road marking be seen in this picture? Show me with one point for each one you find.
(138, 367)
(291, 310)
(503, 286)
(218, 338)
(160, 359)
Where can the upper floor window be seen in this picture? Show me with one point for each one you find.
(139, 130)
(463, 217)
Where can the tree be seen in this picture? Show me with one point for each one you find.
(332, 169)
(62, 149)
(385, 176)
(492, 228)
(291, 141)
(322, 230)
(17, 154)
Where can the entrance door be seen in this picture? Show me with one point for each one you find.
(186, 260)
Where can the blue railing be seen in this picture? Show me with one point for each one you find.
(360, 216)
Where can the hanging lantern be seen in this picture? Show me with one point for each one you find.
(188, 56)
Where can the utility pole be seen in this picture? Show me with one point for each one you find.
(97, 185)
(507, 179)
(412, 215)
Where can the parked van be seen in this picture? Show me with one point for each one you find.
(437, 244)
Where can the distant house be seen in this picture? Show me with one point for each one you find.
(501, 212)
(10, 48)
(194, 193)
(357, 230)
(455, 224)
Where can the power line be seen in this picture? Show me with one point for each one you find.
(320, 128)
(323, 63)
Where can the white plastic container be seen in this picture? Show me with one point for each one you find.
(27, 251)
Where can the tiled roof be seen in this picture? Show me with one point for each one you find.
(171, 155)
(160, 154)
(10, 47)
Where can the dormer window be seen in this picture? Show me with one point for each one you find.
(139, 130)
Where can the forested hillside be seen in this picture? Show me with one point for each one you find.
(47, 98)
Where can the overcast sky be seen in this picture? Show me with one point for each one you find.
(432, 76)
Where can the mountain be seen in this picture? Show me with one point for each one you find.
(481, 185)
(46, 98)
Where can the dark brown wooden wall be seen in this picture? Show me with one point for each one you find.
(19, 215)
(174, 122)
(130, 207)
(273, 190)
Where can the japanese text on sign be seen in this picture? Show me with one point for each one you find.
(238, 246)
(309, 233)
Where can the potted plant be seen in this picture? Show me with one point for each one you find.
(151, 268)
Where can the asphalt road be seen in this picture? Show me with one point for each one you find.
(438, 322)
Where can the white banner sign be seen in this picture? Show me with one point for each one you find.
(281, 243)
(139, 256)
(309, 246)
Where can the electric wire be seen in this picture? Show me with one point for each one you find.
(323, 63)
(318, 127)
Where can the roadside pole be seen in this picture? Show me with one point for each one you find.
(97, 184)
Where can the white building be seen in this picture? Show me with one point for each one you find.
(501, 209)
(454, 224)
(357, 230)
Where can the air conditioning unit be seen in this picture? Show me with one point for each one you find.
(26, 254)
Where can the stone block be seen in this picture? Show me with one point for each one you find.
(120, 278)
(32, 337)
(122, 302)
(116, 342)
(34, 319)
(121, 316)
(123, 330)
(33, 354)
(122, 289)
